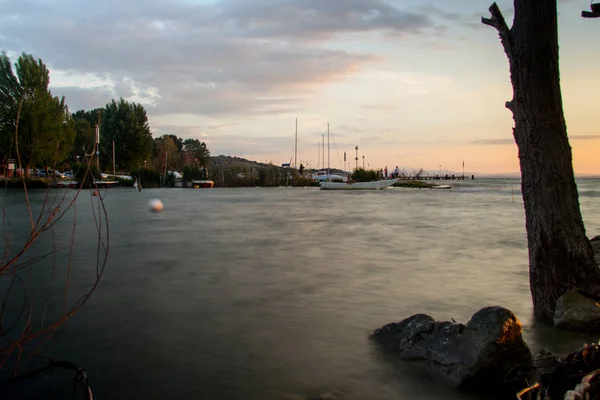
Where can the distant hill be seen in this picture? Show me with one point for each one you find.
(222, 161)
(228, 161)
(239, 162)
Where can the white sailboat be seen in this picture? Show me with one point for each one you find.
(374, 185)
(323, 176)
(349, 185)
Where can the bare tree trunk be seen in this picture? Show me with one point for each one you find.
(560, 255)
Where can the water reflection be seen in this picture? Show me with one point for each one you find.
(272, 293)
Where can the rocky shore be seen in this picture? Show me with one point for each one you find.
(488, 353)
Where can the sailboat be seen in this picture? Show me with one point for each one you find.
(324, 174)
(374, 185)
(348, 184)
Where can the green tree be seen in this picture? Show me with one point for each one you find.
(9, 99)
(127, 124)
(45, 124)
(90, 116)
(165, 145)
(363, 175)
(178, 142)
(84, 137)
(195, 152)
(61, 128)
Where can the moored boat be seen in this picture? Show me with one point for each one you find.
(323, 176)
(67, 184)
(374, 185)
(202, 184)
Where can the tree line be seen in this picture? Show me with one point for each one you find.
(38, 130)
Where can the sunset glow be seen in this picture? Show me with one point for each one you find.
(411, 84)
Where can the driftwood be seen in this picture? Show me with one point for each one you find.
(573, 377)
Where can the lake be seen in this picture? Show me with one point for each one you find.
(271, 293)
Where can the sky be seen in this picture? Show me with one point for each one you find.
(413, 83)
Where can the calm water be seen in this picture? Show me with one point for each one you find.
(272, 293)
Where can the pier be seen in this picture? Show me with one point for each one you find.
(446, 177)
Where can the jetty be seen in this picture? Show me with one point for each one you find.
(446, 177)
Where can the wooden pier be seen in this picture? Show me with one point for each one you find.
(446, 177)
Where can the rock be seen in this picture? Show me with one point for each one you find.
(487, 353)
(325, 396)
(332, 395)
(575, 311)
(545, 361)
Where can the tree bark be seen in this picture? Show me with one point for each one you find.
(560, 255)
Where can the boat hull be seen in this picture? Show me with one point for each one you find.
(375, 185)
(202, 184)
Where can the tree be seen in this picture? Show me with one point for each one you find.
(61, 129)
(9, 99)
(178, 142)
(560, 255)
(166, 145)
(45, 125)
(85, 137)
(90, 116)
(195, 152)
(127, 124)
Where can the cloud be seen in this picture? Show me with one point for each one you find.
(584, 137)
(319, 19)
(376, 140)
(494, 142)
(84, 98)
(446, 15)
(505, 141)
(380, 107)
(349, 128)
(221, 58)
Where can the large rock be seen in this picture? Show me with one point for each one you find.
(488, 352)
(575, 311)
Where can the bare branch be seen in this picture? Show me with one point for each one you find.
(497, 21)
(19, 156)
(590, 14)
(510, 105)
(15, 339)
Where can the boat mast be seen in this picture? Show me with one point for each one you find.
(296, 146)
(114, 173)
(323, 151)
(98, 141)
(328, 164)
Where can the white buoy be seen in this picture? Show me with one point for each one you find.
(155, 205)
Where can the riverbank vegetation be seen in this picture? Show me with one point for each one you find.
(38, 131)
(413, 184)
